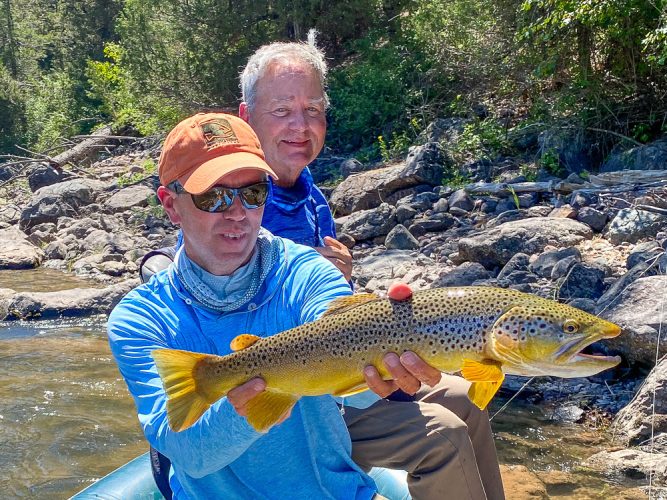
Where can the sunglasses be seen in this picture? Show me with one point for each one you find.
(218, 198)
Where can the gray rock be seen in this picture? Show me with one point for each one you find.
(579, 199)
(649, 268)
(50, 203)
(405, 213)
(461, 199)
(16, 252)
(544, 264)
(593, 218)
(505, 205)
(496, 246)
(368, 224)
(633, 423)
(647, 157)
(563, 266)
(638, 310)
(64, 303)
(587, 305)
(643, 252)
(130, 197)
(464, 275)
(582, 281)
(423, 166)
(55, 250)
(46, 175)
(632, 464)
(399, 238)
(436, 222)
(518, 262)
(631, 225)
(443, 130)
(419, 201)
(440, 206)
(350, 166)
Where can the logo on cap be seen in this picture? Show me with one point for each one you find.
(218, 132)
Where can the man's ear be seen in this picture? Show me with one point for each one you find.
(243, 112)
(168, 199)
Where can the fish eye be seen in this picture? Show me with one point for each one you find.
(570, 326)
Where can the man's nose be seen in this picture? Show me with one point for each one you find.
(299, 121)
(235, 211)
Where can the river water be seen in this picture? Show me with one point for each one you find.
(66, 417)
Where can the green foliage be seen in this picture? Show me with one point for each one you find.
(149, 168)
(529, 171)
(53, 110)
(550, 162)
(375, 94)
(122, 98)
(481, 139)
(12, 112)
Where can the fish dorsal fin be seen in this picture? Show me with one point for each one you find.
(265, 409)
(243, 341)
(486, 376)
(342, 304)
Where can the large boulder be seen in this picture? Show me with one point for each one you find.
(16, 252)
(129, 197)
(647, 157)
(632, 464)
(50, 203)
(646, 415)
(64, 303)
(496, 246)
(365, 190)
(631, 225)
(640, 311)
(369, 224)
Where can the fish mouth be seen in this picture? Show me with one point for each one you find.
(570, 352)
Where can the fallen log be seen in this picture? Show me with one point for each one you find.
(608, 182)
(85, 151)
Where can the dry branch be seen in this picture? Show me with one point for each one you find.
(609, 182)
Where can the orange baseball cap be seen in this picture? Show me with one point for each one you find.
(203, 148)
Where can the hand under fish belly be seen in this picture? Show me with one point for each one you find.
(481, 332)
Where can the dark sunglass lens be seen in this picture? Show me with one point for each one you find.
(255, 195)
(213, 200)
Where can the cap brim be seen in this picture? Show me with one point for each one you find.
(207, 175)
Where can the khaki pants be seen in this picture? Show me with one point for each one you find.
(441, 439)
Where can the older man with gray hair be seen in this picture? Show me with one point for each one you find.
(437, 435)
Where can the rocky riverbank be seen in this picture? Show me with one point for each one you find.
(597, 242)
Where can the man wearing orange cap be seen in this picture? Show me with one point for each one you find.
(228, 278)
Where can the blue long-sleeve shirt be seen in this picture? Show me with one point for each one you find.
(221, 456)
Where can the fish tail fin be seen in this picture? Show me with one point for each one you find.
(185, 404)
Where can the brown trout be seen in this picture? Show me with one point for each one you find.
(481, 332)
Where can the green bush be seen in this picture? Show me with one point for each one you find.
(375, 94)
(124, 101)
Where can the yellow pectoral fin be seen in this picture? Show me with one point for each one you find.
(481, 393)
(242, 341)
(486, 376)
(486, 370)
(265, 409)
(343, 304)
(351, 391)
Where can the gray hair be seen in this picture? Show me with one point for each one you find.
(285, 52)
